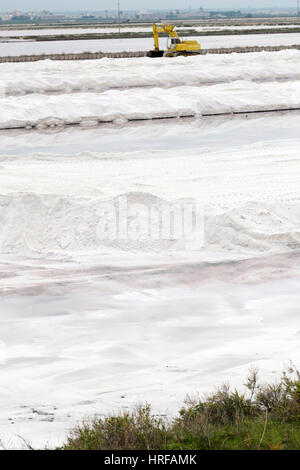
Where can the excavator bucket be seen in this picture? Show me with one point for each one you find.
(155, 53)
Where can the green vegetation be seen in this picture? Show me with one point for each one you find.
(265, 417)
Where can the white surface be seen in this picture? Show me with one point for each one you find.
(142, 44)
(91, 326)
(247, 218)
(153, 89)
(71, 31)
(152, 103)
(106, 74)
(86, 338)
(208, 133)
(244, 27)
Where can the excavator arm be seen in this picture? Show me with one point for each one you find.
(165, 28)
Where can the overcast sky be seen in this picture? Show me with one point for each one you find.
(60, 5)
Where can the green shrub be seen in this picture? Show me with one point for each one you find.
(266, 416)
(136, 430)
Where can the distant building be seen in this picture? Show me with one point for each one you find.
(17, 13)
(48, 16)
(200, 14)
(6, 17)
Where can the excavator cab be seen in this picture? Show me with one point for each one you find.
(172, 43)
(176, 47)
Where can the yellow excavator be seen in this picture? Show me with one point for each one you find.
(176, 47)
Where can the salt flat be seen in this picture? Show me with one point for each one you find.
(71, 31)
(58, 77)
(84, 340)
(90, 328)
(90, 325)
(99, 94)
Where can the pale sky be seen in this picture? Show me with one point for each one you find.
(63, 5)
